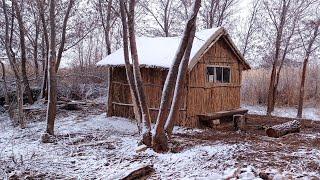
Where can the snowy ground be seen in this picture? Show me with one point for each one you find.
(308, 113)
(89, 146)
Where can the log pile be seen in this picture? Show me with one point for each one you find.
(283, 129)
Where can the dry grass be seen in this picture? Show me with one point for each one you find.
(256, 83)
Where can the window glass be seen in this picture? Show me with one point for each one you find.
(226, 75)
(219, 75)
(210, 74)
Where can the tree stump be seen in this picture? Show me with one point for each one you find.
(239, 122)
(283, 129)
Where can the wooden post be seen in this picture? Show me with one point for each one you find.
(239, 122)
(109, 91)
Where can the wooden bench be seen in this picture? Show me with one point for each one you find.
(220, 117)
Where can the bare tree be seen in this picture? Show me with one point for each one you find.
(13, 63)
(145, 115)
(130, 76)
(164, 15)
(284, 16)
(279, 36)
(160, 140)
(52, 79)
(314, 25)
(176, 101)
(45, 44)
(252, 27)
(217, 12)
(63, 34)
(23, 52)
(106, 22)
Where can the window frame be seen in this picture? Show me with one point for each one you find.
(215, 74)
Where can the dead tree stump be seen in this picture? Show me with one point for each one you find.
(239, 122)
(283, 129)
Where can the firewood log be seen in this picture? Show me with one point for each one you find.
(283, 129)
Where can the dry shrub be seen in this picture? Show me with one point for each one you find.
(256, 84)
(82, 83)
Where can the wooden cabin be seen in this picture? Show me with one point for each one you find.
(213, 80)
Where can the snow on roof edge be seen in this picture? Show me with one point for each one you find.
(159, 52)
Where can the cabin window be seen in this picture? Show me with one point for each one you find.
(218, 74)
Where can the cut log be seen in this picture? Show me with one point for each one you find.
(139, 173)
(283, 129)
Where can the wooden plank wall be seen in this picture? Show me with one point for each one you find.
(206, 98)
(153, 79)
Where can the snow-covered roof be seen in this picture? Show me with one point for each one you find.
(160, 51)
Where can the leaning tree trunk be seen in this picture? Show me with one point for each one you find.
(283, 129)
(177, 96)
(52, 79)
(160, 140)
(130, 76)
(145, 115)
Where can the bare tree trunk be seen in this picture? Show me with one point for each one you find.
(35, 52)
(280, 27)
(145, 116)
(13, 63)
(106, 25)
(23, 53)
(213, 9)
(46, 52)
(251, 28)
(176, 101)
(63, 34)
(160, 140)
(6, 95)
(130, 76)
(52, 81)
(304, 68)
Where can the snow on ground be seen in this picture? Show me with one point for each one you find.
(308, 113)
(90, 146)
(98, 147)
